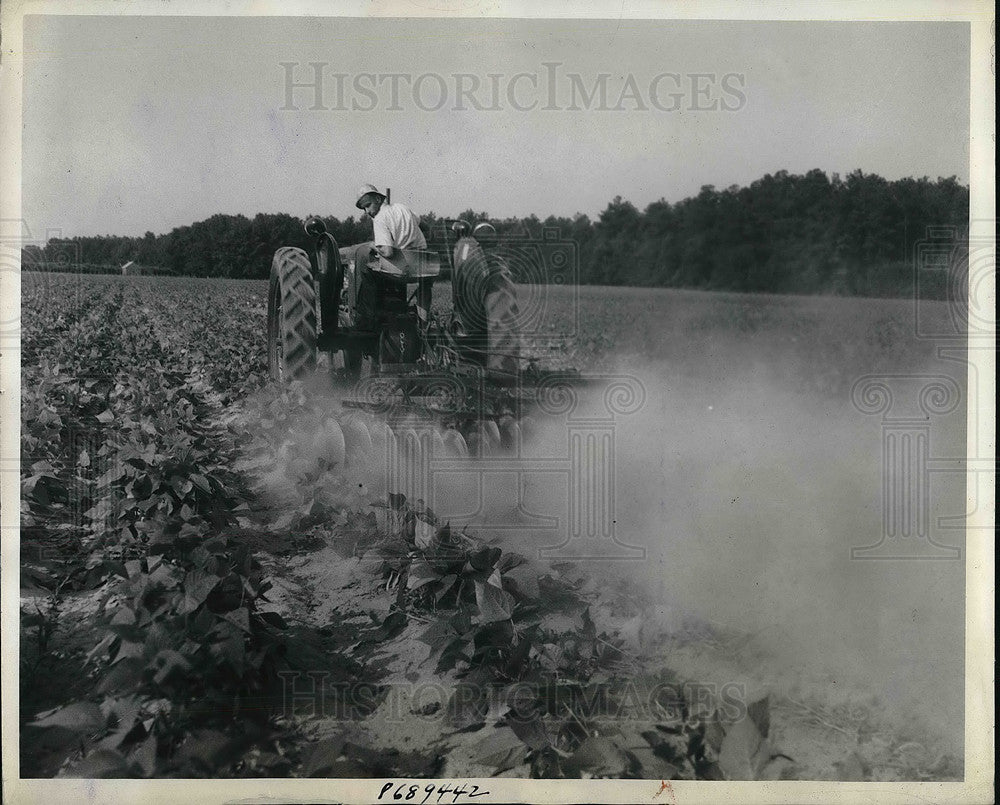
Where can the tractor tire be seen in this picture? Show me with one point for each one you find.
(291, 316)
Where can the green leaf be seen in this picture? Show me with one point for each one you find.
(197, 586)
(323, 757)
(201, 482)
(144, 756)
(124, 616)
(394, 624)
(115, 473)
(437, 634)
(169, 661)
(274, 619)
(141, 487)
(759, 713)
(125, 675)
(531, 731)
(601, 757)
(420, 574)
(447, 582)
(234, 652)
(239, 617)
(101, 763)
(467, 707)
(501, 749)
(714, 734)
(128, 650)
(510, 560)
(164, 576)
(484, 558)
(744, 751)
(181, 486)
(79, 717)
(426, 515)
(524, 578)
(653, 766)
(457, 649)
(211, 749)
(494, 604)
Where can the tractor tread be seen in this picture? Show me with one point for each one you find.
(291, 316)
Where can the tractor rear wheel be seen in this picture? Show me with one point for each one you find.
(291, 316)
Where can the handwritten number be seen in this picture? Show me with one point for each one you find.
(404, 792)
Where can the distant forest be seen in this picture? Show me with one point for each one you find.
(785, 233)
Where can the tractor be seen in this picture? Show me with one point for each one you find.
(373, 316)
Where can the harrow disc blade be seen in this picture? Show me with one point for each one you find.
(455, 444)
(510, 433)
(356, 435)
(491, 434)
(332, 445)
(437, 444)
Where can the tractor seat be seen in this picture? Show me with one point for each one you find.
(407, 265)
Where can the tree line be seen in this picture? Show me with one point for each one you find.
(784, 233)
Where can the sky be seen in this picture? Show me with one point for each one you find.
(136, 124)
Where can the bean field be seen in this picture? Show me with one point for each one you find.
(193, 537)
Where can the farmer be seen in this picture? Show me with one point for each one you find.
(485, 298)
(395, 228)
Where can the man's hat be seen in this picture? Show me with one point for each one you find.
(485, 233)
(367, 190)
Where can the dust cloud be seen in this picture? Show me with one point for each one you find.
(746, 477)
(747, 497)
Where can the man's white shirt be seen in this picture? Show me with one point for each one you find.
(396, 226)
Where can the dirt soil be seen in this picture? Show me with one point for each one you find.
(329, 588)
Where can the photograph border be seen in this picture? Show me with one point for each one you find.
(980, 563)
